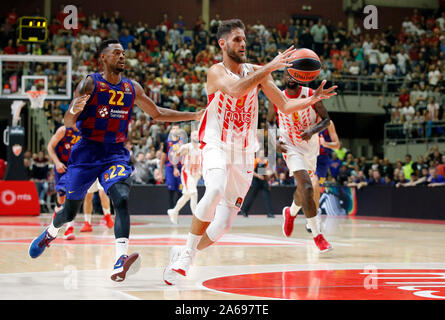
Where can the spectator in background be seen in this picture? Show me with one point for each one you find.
(434, 179)
(440, 168)
(141, 173)
(342, 177)
(39, 170)
(126, 38)
(408, 167)
(376, 179)
(319, 33)
(359, 181)
(334, 165)
(432, 115)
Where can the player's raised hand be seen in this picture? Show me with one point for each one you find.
(322, 93)
(79, 103)
(281, 60)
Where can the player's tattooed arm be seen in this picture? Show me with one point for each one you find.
(321, 125)
(81, 95)
(161, 114)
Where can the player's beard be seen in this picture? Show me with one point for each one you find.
(235, 56)
(291, 85)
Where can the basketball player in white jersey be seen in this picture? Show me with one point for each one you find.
(88, 207)
(301, 143)
(228, 139)
(190, 175)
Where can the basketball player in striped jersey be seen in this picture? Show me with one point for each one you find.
(190, 175)
(59, 150)
(300, 141)
(328, 141)
(101, 110)
(227, 133)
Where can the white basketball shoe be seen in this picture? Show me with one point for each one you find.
(170, 275)
(173, 215)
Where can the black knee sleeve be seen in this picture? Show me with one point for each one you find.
(119, 195)
(68, 212)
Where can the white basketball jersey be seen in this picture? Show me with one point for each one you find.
(230, 122)
(191, 161)
(291, 126)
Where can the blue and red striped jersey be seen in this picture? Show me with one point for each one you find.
(107, 114)
(325, 151)
(63, 147)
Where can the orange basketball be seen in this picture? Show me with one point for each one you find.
(305, 67)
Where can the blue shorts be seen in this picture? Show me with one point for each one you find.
(89, 160)
(322, 166)
(60, 179)
(173, 183)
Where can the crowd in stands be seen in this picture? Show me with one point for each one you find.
(170, 61)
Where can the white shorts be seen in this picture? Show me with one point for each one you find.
(189, 182)
(238, 167)
(96, 186)
(297, 161)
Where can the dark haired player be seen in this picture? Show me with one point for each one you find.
(101, 110)
(228, 138)
(299, 135)
(59, 150)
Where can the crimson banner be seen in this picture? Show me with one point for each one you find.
(19, 198)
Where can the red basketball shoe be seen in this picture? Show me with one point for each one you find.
(108, 221)
(288, 222)
(69, 234)
(322, 244)
(86, 227)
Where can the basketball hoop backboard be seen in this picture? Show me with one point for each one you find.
(21, 73)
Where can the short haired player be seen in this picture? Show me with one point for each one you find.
(299, 137)
(190, 175)
(59, 150)
(101, 110)
(228, 139)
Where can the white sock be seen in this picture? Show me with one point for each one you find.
(294, 209)
(70, 224)
(53, 231)
(192, 241)
(106, 211)
(121, 247)
(87, 217)
(314, 224)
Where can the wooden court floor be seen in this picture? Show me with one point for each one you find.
(372, 259)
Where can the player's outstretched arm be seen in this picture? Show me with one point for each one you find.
(81, 95)
(218, 79)
(161, 114)
(60, 167)
(286, 105)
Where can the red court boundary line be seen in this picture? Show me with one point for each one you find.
(409, 220)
